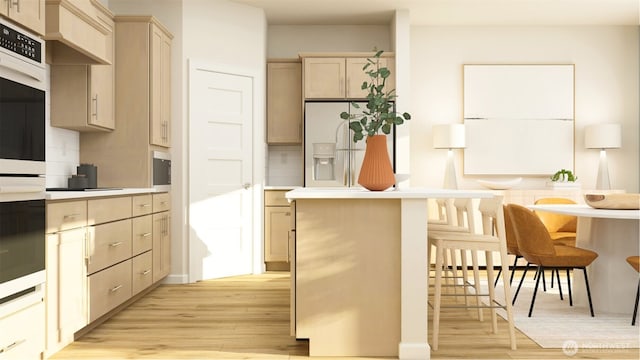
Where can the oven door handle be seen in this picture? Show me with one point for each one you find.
(13, 189)
(22, 67)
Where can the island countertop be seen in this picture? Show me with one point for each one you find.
(403, 193)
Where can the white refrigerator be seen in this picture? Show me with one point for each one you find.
(331, 158)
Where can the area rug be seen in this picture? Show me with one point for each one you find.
(555, 324)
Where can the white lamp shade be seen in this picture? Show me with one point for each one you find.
(449, 136)
(603, 136)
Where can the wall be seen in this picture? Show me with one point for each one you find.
(286, 41)
(606, 90)
(218, 32)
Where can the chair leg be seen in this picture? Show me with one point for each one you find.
(535, 290)
(557, 272)
(569, 286)
(476, 281)
(492, 292)
(586, 283)
(544, 283)
(495, 283)
(437, 295)
(635, 307)
(507, 295)
(513, 269)
(513, 302)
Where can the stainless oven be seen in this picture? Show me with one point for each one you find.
(22, 167)
(22, 102)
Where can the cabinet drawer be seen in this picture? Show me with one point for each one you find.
(66, 215)
(142, 234)
(161, 202)
(275, 198)
(19, 341)
(108, 244)
(109, 209)
(109, 288)
(142, 276)
(142, 205)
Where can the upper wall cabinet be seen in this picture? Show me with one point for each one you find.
(28, 13)
(82, 96)
(143, 105)
(284, 102)
(340, 77)
(78, 32)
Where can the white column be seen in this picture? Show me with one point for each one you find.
(414, 281)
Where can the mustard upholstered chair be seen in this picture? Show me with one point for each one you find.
(634, 261)
(562, 228)
(536, 247)
(512, 249)
(491, 240)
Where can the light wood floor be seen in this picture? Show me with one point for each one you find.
(247, 317)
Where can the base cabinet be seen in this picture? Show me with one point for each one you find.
(277, 230)
(100, 253)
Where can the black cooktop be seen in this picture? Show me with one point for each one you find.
(81, 189)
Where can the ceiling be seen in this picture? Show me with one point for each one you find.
(451, 12)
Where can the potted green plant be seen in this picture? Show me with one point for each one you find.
(563, 178)
(375, 122)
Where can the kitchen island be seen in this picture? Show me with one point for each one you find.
(360, 270)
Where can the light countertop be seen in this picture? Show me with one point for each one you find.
(281, 187)
(407, 193)
(587, 211)
(63, 195)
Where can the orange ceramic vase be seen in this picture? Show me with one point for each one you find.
(376, 173)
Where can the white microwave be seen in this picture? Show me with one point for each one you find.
(161, 173)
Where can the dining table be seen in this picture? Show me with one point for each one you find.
(614, 235)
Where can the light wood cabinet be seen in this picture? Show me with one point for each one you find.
(160, 62)
(100, 253)
(78, 32)
(277, 226)
(82, 96)
(143, 105)
(109, 288)
(66, 290)
(28, 13)
(284, 102)
(340, 77)
(161, 236)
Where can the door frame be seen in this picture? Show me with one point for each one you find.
(258, 76)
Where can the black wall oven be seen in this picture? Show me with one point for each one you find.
(22, 167)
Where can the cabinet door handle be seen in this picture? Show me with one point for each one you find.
(16, 3)
(87, 246)
(287, 213)
(115, 288)
(146, 272)
(145, 234)
(115, 244)
(11, 346)
(95, 112)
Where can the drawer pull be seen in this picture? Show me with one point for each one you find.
(114, 289)
(287, 214)
(11, 346)
(145, 205)
(70, 216)
(146, 272)
(145, 234)
(115, 244)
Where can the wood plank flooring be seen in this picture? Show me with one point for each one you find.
(247, 317)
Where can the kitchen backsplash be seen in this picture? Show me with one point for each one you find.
(63, 150)
(284, 165)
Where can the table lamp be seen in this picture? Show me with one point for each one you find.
(449, 136)
(603, 136)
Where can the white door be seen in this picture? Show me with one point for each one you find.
(220, 173)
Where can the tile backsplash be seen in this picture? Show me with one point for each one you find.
(284, 165)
